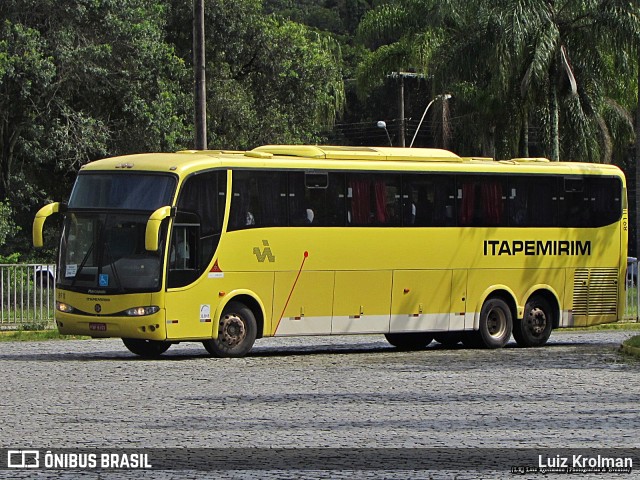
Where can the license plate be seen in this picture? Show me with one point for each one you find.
(98, 327)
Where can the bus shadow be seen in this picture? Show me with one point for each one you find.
(183, 354)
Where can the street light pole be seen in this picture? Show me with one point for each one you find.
(383, 124)
(444, 96)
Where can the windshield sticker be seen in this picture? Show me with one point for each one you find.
(103, 280)
(71, 270)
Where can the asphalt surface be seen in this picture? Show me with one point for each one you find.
(373, 411)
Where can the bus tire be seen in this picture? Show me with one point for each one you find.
(146, 348)
(534, 329)
(448, 339)
(409, 341)
(496, 323)
(237, 330)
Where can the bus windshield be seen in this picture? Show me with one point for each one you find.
(106, 252)
(122, 191)
(103, 247)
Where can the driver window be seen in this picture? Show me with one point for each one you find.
(197, 226)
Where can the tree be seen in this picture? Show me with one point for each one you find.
(71, 92)
(268, 80)
(563, 49)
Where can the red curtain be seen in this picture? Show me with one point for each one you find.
(381, 201)
(360, 201)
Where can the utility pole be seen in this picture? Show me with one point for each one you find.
(402, 123)
(637, 189)
(401, 128)
(200, 93)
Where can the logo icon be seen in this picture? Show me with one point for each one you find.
(97, 308)
(23, 459)
(265, 254)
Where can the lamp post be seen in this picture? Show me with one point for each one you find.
(383, 124)
(444, 96)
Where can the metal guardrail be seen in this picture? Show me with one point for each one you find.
(27, 296)
(632, 291)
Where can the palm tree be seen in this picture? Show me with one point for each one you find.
(563, 47)
(513, 62)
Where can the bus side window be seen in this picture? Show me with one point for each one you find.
(259, 199)
(533, 201)
(374, 199)
(428, 200)
(605, 200)
(481, 201)
(590, 201)
(336, 200)
(574, 203)
(316, 199)
(197, 226)
(300, 211)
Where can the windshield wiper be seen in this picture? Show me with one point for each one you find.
(81, 266)
(113, 267)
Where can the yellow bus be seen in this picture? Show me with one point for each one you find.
(226, 247)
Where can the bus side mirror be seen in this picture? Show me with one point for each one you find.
(153, 228)
(38, 222)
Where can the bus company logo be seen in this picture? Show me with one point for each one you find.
(536, 247)
(264, 254)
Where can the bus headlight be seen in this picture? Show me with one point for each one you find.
(141, 311)
(64, 307)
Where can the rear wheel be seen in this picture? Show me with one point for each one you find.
(237, 332)
(146, 348)
(409, 341)
(535, 327)
(496, 325)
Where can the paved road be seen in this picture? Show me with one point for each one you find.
(338, 392)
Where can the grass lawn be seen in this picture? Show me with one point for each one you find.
(33, 335)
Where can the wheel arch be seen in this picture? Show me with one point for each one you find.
(249, 299)
(551, 296)
(497, 291)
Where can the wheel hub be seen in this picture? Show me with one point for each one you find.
(496, 323)
(537, 321)
(232, 330)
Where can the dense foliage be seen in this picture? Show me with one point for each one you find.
(84, 79)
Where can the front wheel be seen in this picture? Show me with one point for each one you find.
(409, 341)
(237, 331)
(535, 327)
(146, 348)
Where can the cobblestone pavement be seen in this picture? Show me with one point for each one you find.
(322, 392)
